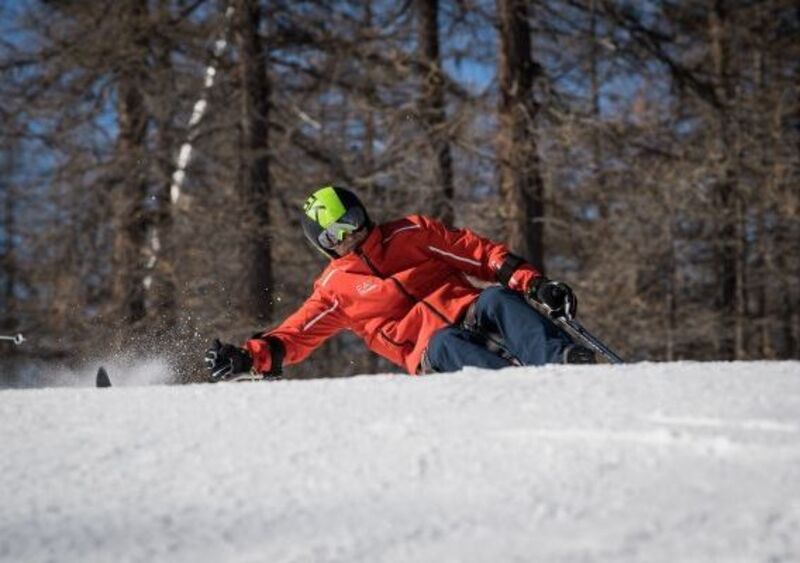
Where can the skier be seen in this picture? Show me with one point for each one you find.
(401, 286)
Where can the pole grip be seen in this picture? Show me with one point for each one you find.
(16, 339)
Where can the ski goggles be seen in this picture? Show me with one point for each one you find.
(335, 233)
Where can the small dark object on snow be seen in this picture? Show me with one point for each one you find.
(102, 378)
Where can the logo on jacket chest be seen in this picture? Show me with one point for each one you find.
(366, 287)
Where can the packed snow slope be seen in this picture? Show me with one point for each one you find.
(647, 462)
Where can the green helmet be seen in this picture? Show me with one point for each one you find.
(329, 214)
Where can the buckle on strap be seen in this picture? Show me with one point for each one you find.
(470, 319)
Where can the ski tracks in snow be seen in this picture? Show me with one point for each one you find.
(647, 462)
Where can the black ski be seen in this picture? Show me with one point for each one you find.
(579, 333)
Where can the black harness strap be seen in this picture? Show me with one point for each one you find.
(277, 352)
(510, 264)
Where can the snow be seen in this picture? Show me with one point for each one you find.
(643, 462)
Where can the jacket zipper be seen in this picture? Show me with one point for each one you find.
(401, 287)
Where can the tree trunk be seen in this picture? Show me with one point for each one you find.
(791, 305)
(162, 246)
(432, 106)
(131, 219)
(521, 183)
(255, 177)
(8, 321)
(597, 149)
(764, 262)
(729, 251)
(671, 278)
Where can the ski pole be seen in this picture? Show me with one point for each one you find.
(16, 339)
(578, 332)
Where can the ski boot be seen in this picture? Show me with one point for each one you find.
(577, 354)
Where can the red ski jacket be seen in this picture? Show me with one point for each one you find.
(405, 282)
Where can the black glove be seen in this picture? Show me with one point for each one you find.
(556, 297)
(226, 360)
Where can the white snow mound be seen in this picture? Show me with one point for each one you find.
(645, 462)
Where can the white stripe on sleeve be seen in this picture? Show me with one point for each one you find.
(448, 254)
(319, 317)
(391, 236)
(328, 276)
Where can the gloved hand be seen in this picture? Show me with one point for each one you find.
(226, 360)
(556, 297)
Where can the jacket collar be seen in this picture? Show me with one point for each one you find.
(370, 245)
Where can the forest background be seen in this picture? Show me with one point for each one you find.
(154, 155)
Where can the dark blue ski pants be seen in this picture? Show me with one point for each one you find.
(499, 314)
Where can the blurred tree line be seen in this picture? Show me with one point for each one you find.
(154, 155)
